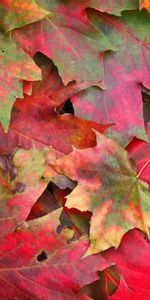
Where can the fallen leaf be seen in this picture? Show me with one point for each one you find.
(109, 187)
(15, 66)
(132, 260)
(125, 70)
(64, 38)
(36, 125)
(124, 293)
(21, 184)
(52, 85)
(38, 263)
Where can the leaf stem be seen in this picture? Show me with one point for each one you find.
(111, 278)
(143, 168)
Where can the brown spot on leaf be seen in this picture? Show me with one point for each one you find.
(19, 188)
(6, 163)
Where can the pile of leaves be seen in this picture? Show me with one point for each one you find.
(74, 150)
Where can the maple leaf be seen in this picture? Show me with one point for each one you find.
(21, 184)
(109, 187)
(51, 85)
(124, 71)
(124, 293)
(38, 111)
(15, 66)
(132, 260)
(18, 13)
(103, 190)
(38, 263)
(127, 268)
(33, 124)
(47, 96)
(63, 38)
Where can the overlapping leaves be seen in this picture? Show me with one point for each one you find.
(125, 70)
(48, 267)
(109, 187)
(93, 58)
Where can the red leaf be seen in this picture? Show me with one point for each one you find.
(52, 85)
(34, 121)
(33, 124)
(121, 102)
(124, 293)
(132, 260)
(63, 37)
(37, 263)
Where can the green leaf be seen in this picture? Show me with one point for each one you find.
(71, 41)
(121, 101)
(15, 65)
(109, 187)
